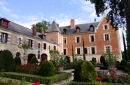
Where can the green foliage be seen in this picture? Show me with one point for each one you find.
(47, 69)
(110, 59)
(17, 60)
(67, 58)
(85, 71)
(54, 54)
(124, 62)
(33, 78)
(33, 60)
(94, 61)
(7, 62)
(8, 81)
(42, 26)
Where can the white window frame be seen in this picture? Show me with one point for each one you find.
(104, 27)
(108, 35)
(91, 50)
(63, 40)
(107, 46)
(66, 51)
(76, 39)
(76, 50)
(90, 37)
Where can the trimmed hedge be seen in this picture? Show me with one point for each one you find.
(94, 83)
(7, 62)
(7, 81)
(34, 78)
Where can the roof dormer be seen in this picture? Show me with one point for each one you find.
(4, 23)
(77, 29)
(64, 31)
(91, 28)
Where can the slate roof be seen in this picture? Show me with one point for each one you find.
(53, 27)
(26, 31)
(83, 28)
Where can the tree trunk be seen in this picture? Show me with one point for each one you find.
(127, 13)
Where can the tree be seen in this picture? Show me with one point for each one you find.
(73, 53)
(42, 26)
(25, 48)
(83, 49)
(125, 51)
(54, 54)
(118, 14)
(128, 43)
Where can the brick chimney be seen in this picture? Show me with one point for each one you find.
(72, 23)
(34, 30)
(42, 31)
(44, 36)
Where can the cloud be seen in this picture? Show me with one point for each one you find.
(64, 20)
(4, 7)
(14, 15)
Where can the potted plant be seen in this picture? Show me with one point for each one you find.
(57, 59)
(111, 61)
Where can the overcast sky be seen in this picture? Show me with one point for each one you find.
(28, 12)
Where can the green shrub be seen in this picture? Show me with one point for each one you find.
(124, 62)
(67, 58)
(85, 71)
(17, 60)
(33, 78)
(7, 62)
(33, 60)
(47, 68)
(102, 59)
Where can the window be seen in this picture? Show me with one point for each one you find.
(30, 42)
(92, 38)
(106, 37)
(38, 45)
(85, 51)
(49, 47)
(64, 50)
(108, 48)
(77, 29)
(54, 47)
(38, 54)
(77, 39)
(105, 27)
(19, 41)
(78, 50)
(4, 37)
(91, 28)
(44, 47)
(64, 31)
(64, 40)
(93, 50)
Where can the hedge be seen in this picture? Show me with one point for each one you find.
(4, 80)
(34, 78)
(91, 83)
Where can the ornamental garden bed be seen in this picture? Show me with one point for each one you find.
(35, 78)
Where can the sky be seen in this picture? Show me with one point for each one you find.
(29, 12)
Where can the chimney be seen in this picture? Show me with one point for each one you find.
(34, 30)
(72, 23)
(42, 31)
(44, 36)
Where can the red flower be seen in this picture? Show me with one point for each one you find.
(37, 83)
(98, 79)
(114, 78)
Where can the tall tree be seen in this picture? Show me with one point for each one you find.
(128, 43)
(119, 11)
(73, 52)
(83, 49)
(125, 51)
(42, 25)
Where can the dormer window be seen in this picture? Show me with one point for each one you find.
(64, 31)
(4, 23)
(91, 28)
(77, 29)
